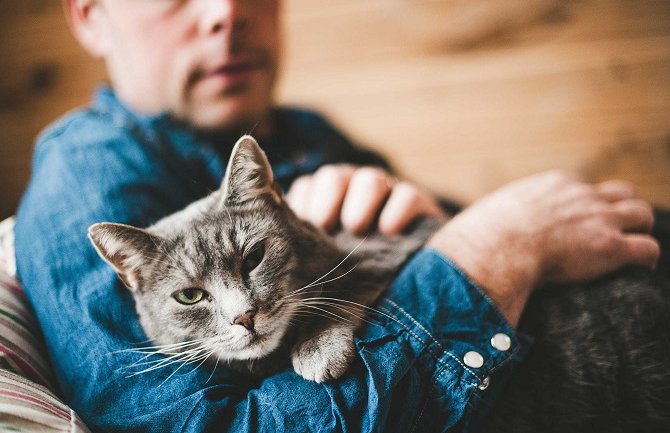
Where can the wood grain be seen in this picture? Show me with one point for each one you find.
(461, 95)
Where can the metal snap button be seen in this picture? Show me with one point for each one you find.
(473, 359)
(501, 342)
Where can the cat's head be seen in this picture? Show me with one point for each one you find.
(225, 269)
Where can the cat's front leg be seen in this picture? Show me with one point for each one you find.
(325, 355)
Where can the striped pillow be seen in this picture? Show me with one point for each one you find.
(7, 261)
(22, 350)
(28, 407)
(27, 387)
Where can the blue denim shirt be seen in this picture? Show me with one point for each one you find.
(106, 163)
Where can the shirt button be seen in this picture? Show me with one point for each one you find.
(501, 342)
(473, 359)
(484, 383)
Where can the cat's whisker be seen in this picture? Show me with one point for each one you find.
(368, 308)
(192, 359)
(162, 355)
(162, 359)
(202, 358)
(213, 369)
(168, 360)
(332, 279)
(348, 311)
(339, 264)
(300, 290)
(310, 314)
(164, 348)
(151, 351)
(166, 356)
(163, 364)
(330, 313)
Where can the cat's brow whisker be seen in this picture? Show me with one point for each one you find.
(230, 218)
(163, 250)
(154, 259)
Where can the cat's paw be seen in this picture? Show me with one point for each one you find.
(326, 356)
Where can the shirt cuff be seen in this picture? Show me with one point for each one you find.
(457, 332)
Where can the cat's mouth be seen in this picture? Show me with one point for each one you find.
(265, 337)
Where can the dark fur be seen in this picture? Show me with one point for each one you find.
(601, 357)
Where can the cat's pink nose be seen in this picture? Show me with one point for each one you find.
(246, 319)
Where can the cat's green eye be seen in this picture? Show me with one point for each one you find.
(189, 296)
(254, 258)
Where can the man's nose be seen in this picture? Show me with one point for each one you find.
(221, 15)
(246, 319)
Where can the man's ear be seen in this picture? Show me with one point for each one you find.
(125, 248)
(85, 18)
(249, 174)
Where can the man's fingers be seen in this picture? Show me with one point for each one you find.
(634, 215)
(641, 249)
(368, 189)
(356, 197)
(328, 189)
(403, 206)
(297, 196)
(615, 190)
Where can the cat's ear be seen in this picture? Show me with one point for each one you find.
(125, 248)
(249, 174)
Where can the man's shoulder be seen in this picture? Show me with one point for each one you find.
(80, 129)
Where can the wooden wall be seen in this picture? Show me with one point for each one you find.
(44, 74)
(461, 95)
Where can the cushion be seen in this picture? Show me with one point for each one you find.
(27, 386)
(28, 407)
(7, 260)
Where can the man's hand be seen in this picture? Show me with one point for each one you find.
(358, 198)
(548, 228)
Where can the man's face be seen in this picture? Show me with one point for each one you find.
(212, 63)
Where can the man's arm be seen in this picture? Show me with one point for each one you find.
(547, 228)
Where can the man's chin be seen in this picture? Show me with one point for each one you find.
(236, 112)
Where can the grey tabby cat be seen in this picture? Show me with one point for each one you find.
(237, 278)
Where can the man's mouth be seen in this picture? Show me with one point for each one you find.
(236, 68)
(230, 75)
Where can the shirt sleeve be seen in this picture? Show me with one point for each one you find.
(427, 363)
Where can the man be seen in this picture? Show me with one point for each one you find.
(188, 77)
